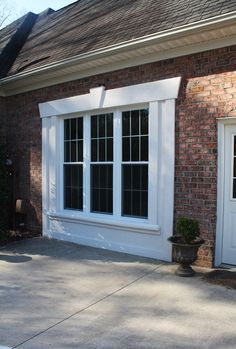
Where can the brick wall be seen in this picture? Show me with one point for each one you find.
(208, 91)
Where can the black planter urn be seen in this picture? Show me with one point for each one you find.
(185, 255)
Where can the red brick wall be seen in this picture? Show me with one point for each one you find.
(208, 91)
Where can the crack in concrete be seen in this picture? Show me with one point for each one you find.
(88, 307)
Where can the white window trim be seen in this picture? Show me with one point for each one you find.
(160, 98)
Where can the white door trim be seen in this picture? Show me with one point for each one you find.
(222, 122)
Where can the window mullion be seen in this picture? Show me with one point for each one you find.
(86, 169)
(117, 163)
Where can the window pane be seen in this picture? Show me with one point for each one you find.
(80, 128)
(101, 119)
(102, 150)
(73, 151)
(144, 148)
(101, 188)
(80, 151)
(73, 187)
(126, 149)
(94, 150)
(110, 150)
(144, 121)
(94, 126)
(67, 151)
(109, 125)
(135, 146)
(144, 203)
(234, 189)
(135, 149)
(100, 143)
(67, 129)
(126, 123)
(134, 190)
(135, 122)
(234, 168)
(73, 143)
(73, 134)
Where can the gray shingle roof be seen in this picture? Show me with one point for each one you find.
(87, 25)
(12, 39)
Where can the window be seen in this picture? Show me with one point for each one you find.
(73, 164)
(101, 163)
(135, 163)
(132, 141)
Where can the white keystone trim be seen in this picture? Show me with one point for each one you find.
(98, 98)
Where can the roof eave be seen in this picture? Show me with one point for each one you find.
(212, 30)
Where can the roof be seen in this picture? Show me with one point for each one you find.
(12, 39)
(87, 25)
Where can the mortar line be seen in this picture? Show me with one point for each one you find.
(89, 306)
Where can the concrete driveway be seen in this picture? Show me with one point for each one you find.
(60, 295)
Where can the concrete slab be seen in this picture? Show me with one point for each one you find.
(60, 295)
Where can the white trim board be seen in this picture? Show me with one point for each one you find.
(99, 98)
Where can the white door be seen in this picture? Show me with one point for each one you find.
(229, 223)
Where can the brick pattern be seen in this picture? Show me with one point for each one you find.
(208, 91)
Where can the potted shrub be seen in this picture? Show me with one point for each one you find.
(186, 244)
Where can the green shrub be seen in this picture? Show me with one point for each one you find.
(4, 194)
(187, 229)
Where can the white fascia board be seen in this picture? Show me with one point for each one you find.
(130, 95)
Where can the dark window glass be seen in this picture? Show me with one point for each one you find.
(101, 188)
(102, 155)
(109, 149)
(94, 133)
(234, 188)
(234, 145)
(73, 129)
(135, 122)
(80, 128)
(102, 128)
(67, 151)
(109, 121)
(126, 149)
(135, 190)
(126, 123)
(134, 143)
(79, 151)
(73, 157)
(67, 129)
(73, 144)
(144, 121)
(73, 187)
(144, 148)
(135, 149)
(73, 173)
(94, 150)
(102, 141)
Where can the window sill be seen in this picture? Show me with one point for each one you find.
(139, 226)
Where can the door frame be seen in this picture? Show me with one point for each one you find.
(222, 123)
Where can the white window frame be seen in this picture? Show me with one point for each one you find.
(159, 97)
